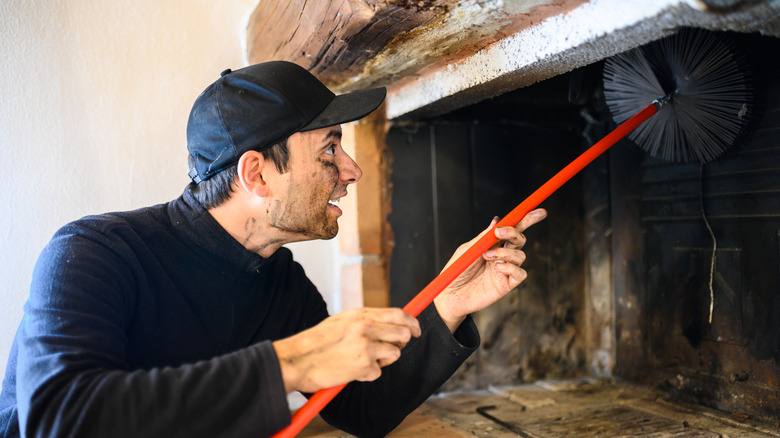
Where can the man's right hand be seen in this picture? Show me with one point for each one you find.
(351, 345)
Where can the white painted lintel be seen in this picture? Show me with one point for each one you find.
(588, 34)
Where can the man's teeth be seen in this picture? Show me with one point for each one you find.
(334, 202)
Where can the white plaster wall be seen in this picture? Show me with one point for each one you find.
(94, 100)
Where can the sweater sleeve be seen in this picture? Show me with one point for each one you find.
(73, 379)
(373, 409)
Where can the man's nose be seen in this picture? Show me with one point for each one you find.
(349, 171)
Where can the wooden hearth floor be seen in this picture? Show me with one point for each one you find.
(569, 408)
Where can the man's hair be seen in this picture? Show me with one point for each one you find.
(217, 189)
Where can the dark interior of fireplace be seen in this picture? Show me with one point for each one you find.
(619, 273)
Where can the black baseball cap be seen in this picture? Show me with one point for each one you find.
(258, 106)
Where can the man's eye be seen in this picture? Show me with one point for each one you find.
(331, 150)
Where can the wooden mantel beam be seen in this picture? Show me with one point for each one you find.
(352, 44)
(334, 39)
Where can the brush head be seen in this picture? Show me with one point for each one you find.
(708, 87)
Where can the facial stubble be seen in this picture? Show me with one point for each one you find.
(305, 210)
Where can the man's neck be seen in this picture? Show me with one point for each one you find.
(254, 233)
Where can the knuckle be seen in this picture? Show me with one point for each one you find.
(398, 312)
(363, 343)
(362, 362)
(375, 373)
(522, 275)
(360, 326)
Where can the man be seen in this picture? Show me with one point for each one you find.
(190, 318)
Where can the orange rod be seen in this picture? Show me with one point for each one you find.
(321, 398)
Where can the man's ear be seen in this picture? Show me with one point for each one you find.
(251, 168)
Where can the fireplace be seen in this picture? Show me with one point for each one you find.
(619, 273)
(487, 99)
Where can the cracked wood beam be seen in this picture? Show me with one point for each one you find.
(334, 39)
(358, 44)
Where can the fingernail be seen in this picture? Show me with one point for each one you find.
(490, 254)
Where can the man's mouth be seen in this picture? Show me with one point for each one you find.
(334, 203)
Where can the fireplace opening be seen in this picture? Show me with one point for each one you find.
(618, 288)
(462, 169)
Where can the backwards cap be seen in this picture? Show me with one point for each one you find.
(258, 106)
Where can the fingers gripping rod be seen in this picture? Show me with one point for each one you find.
(321, 398)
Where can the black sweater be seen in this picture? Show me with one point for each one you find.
(156, 322)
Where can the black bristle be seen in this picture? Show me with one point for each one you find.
(709, 88)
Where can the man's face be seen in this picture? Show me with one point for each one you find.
(318, 174)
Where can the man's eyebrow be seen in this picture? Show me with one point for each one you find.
(334, 133)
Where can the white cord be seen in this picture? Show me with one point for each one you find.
(714, 241)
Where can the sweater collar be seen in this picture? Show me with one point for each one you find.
(195, 223)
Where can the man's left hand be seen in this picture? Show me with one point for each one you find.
(491, 276)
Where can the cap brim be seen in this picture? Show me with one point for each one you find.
(347, 108)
